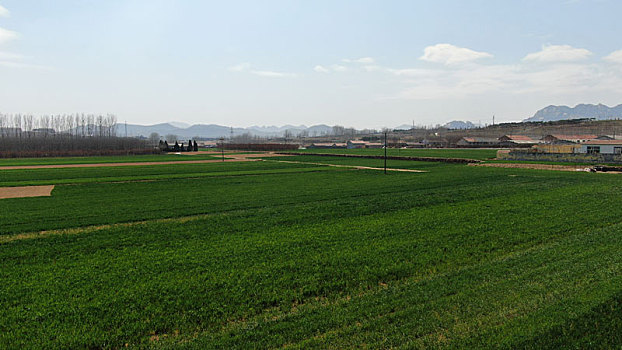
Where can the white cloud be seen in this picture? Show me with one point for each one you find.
(449, 54)
(515, 80)
(321, 69)
(366, 60)
(362, 60)
(13, 60)
(373, 68)
(614, 57)
(338, 68)
(414, 72)
(7, 35)
(10, 56)
(4, 12)
(240, 67)
(13, 64)
(273, 74)
(424, 84)
(246, 67)
(8, 59)
(558, 53)
(511, 80)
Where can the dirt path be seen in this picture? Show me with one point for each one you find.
(353, 166)
(535, 166)
(98, 165)
(251, 157)
(26, 191)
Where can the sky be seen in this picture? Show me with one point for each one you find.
(363, 64)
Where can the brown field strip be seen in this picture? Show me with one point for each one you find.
(26, 191)
(230, 158)
(102, 165)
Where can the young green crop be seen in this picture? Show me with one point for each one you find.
(458, 257)
(107, 159)
(182, 170)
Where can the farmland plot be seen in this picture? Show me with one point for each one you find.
(269, 254)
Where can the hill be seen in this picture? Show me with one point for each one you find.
(581, 111)
(458, 124)
(216, 131)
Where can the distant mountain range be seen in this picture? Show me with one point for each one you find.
(217, 131)
(598, 112)
(458, 124)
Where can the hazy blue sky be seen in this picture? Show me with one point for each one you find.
(354, 63)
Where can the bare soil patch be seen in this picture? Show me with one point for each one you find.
(26, 191)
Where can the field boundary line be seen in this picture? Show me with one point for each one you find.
(95, 228)
(355, 167)
(159, 177)
(105, 165)
(232, 157)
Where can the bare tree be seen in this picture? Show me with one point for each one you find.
(154, 138)
(171, 138)
(287, 135)
(338, 130)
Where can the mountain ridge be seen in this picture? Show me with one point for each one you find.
(213, 131)
(580, 111)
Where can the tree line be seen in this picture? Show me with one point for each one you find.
(82, 125)
(25, 135)
(165, 147)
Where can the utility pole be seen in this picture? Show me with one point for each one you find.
(125, 139)
(385, 153)
(222, 147)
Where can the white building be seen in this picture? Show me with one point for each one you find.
(602, 147)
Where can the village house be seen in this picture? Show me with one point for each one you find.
(567, 139)
(602, 147)
(558, 148)
(354, 144)
(44, 131)
(435, 142)
(328, 145)
(8, 132)
(517, 141)
(414, 145)
(478, 142)
(208, 144)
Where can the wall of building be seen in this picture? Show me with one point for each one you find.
(562, 157)
(604, 149)
(558, 148)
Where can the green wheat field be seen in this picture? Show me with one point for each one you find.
(297, 254)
